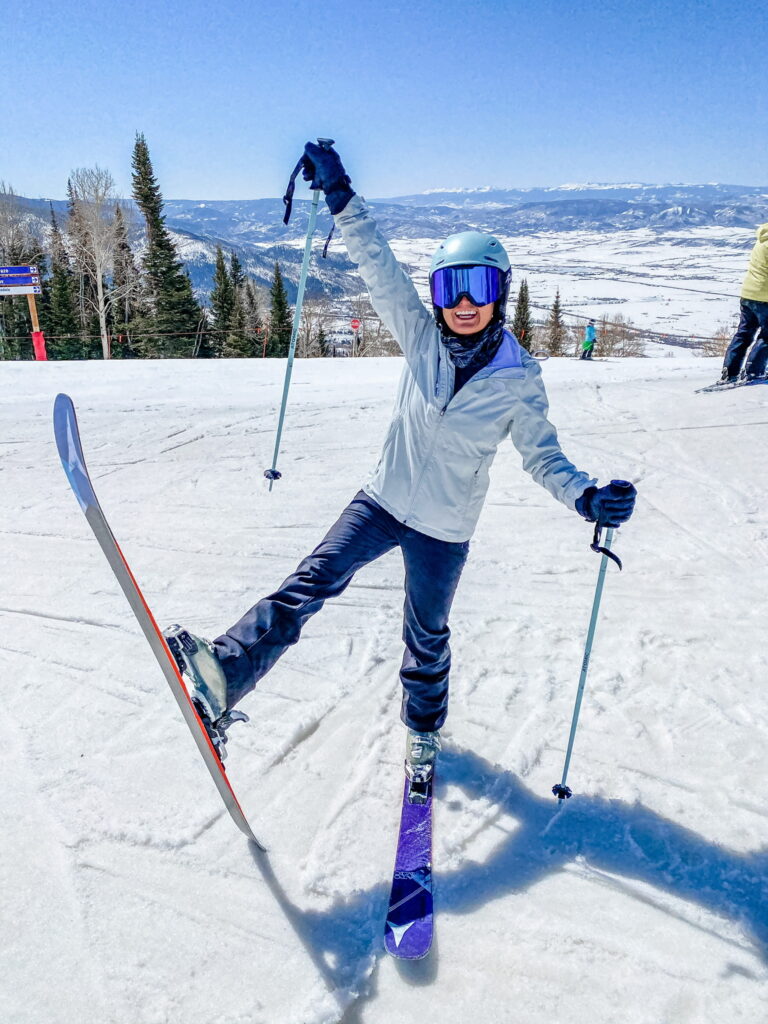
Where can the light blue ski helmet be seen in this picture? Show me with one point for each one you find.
(470, 249)
(473, 249)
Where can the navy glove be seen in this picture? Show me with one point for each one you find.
(609, 506)
(325, 170)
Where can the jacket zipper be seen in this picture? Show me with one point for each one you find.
(424, 464)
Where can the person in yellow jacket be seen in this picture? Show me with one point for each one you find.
(754, 318)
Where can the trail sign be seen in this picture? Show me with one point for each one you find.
(19, 279)
(25, 289)
(354, 324)
(25, 281)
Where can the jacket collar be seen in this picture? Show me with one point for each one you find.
(508, 361)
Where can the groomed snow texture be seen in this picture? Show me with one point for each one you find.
(129, 897)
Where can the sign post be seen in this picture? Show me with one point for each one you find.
(26, 281)
(355, 325)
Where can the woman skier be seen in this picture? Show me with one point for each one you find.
(466, 385)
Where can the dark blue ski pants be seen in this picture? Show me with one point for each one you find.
(754, 320)
(362, 533)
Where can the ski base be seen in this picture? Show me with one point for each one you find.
(409, 926)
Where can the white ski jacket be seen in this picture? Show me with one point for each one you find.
(433, 471)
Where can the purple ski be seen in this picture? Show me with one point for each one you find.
(408, 931)
(731, 385)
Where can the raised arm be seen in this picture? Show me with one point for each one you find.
(392, 292)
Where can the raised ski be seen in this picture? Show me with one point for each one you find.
(72, 458)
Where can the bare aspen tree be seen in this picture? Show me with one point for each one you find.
(93, 234)
(15, 235)
(373, 338)
(719, 342)
(316, 312)
(619, 337)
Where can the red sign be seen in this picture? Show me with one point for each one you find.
(355, 325)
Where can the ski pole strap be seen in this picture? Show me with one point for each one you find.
(288, 200)
(328, 240)
(288, 197)
(598, 549)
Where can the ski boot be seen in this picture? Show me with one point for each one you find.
(421, 750)
(726, 379)
(198, 664)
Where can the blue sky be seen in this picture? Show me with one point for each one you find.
(418, 94)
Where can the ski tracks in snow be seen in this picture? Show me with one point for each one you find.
(129, 881)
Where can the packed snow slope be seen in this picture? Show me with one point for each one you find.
(129, 897)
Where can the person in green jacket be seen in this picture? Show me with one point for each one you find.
(588, 344)
(754, 318)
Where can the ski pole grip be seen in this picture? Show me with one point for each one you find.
(288, 197)
(624, 485)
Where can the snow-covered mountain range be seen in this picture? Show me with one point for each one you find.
(504, 211)
(671, 234)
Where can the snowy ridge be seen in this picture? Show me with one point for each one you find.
(670, 257)
(129, 895)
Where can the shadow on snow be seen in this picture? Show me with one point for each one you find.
(625, 840)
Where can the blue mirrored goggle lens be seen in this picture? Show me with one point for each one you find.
(480, 284)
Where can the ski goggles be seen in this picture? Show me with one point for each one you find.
(480, 284)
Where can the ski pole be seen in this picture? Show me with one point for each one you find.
(273, 473)
(561, 790)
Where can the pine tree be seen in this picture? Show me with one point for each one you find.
(243, 337)
(174, 316)
(557, 332)
(65, 341)
(323, 342)
(279, 319)
(222, 302)
(522, 325)
(239, 341)
(236, 272)
(254, 315)
(16, 325)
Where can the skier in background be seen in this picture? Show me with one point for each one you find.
(588, 344)
(754, 319)
(466, 385)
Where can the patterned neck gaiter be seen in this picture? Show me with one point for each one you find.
(472, 351)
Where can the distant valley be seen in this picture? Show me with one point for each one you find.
(669, 256)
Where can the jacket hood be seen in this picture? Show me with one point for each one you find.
(762, 233)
